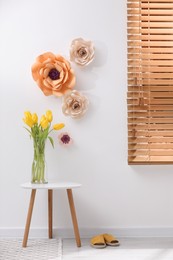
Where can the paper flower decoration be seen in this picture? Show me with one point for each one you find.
(81, 51)
(53, 74)
(65, 139)
(74, 104)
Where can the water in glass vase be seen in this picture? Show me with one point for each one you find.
(39, 173)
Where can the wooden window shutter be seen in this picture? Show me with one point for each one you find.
(150, 81)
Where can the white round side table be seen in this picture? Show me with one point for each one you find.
(68, 186)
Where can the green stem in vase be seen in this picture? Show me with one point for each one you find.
(38, 165)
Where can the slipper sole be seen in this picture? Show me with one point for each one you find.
(98, 246)
(112, 244)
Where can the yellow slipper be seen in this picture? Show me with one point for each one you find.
(98, 242)
(111, 240)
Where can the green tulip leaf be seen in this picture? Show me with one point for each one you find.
(28, 130)
(51, 141)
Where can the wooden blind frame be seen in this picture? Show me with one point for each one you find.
(150, 81)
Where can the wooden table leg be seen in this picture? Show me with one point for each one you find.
(74, 218)
(50, 197)
(28, 221)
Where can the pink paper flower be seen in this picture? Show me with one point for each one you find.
(65, 139)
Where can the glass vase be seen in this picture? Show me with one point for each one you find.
(39, 171)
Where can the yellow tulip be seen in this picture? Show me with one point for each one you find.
(58, 126)
(49, 115)
(28, 121)
(27, 114)
(35, 118)
(44, 123)
(42, 119)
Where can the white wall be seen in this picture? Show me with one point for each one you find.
(113, 195)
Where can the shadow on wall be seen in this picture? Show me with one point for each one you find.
(87, 77)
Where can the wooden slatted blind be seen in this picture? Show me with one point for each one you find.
(150, 81)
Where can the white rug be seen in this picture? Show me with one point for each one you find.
(37, 249)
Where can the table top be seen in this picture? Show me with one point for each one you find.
(53, 185)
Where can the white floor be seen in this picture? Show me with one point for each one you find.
(130, 249)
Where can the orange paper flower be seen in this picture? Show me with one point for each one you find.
(53, 74)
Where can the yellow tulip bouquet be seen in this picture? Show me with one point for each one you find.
(40, 131)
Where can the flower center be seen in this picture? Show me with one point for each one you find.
(65, 139)
(82, 52)
(54, 74)
(75, 105)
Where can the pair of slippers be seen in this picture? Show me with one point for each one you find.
(103, 240)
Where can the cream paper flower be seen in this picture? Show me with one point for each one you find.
(74, 104)
(81, 51)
